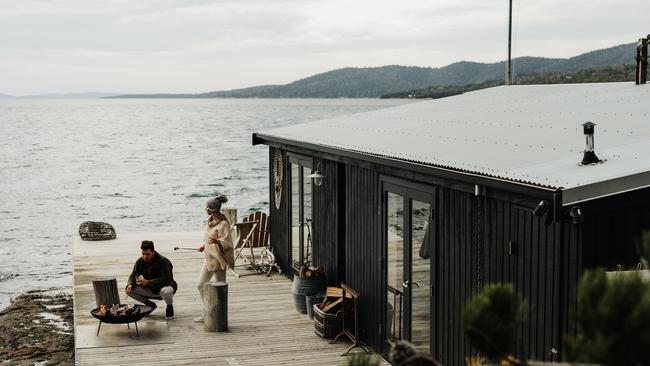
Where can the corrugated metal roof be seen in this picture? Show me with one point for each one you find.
(530, 134)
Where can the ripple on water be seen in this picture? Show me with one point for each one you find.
(201, 195)
(7, 276)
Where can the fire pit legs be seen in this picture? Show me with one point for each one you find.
(137, 332)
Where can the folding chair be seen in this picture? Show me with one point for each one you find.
(264, 260)
(242, 233)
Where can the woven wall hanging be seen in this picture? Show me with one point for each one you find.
(278, 175)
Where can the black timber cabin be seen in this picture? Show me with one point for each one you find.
(423, 204)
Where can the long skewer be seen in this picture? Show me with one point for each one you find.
(185, 248)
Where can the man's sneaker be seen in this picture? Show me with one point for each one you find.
(169, 313)
(152, 305)
(198, 320)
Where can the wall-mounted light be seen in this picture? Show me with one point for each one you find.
(542, 208)
(576, 215)
(317, 177)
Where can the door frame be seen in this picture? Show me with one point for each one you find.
(409, 190)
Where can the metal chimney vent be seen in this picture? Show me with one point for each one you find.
(642, 60)
(590, 156)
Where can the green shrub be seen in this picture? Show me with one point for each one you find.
(613, 320)
(491, 320)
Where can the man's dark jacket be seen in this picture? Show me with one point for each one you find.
(159, 272)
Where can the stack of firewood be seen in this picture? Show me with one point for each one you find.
(311, 271)
(333, 300)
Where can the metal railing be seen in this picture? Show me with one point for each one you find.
(394, 323)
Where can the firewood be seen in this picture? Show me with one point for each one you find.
(301, 271)
(308, 273)
(332, 305)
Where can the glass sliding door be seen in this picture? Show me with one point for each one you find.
(420, 285)
(409, 236)
(296, 198)
(306, 252)
(395, 267)
(301, 212)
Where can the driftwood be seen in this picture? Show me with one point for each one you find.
(215, 307)
(92, 230)
(106, 292)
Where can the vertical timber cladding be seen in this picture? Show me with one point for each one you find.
(456, 273)
(280, 218)
(517, 248)
(530, 253)
(363, 249)
(327, 216)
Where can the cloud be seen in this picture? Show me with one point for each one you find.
(200, 45)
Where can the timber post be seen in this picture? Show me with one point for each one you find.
(106, 292)
(231, 214)
(215, 307)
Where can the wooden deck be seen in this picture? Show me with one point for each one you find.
(264, 327)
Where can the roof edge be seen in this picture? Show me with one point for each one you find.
(464, 176)
(606, 188)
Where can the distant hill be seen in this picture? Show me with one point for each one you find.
(597, 75)
(89, 95)
(378, 81)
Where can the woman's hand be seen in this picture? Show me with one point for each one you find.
(201, 248)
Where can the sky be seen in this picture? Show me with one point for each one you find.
(193, 46)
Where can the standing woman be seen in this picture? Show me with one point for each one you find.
(218, 246)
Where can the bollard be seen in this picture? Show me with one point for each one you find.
(215, 307)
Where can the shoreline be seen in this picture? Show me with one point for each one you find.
(37, 328)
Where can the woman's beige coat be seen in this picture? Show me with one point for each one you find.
(218, 256)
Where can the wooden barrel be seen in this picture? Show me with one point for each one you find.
(303, 286)
(311, 300)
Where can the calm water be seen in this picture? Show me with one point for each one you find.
(141, 165)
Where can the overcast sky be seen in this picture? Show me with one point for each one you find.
(135, 46)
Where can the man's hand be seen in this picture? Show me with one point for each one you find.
(201, 248)
(142, 282)
(129, 289)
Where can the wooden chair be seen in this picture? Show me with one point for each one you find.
(261, 258)
(242, 234)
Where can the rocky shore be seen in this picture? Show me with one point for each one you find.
(37, 329)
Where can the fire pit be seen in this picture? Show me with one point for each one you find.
(121, 314)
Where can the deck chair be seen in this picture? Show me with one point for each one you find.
(258, 254)
(242, 234)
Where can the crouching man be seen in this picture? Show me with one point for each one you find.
(152, 278)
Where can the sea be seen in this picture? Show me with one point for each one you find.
(141, 165)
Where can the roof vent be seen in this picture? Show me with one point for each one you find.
(642, 60)
(590, 156)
